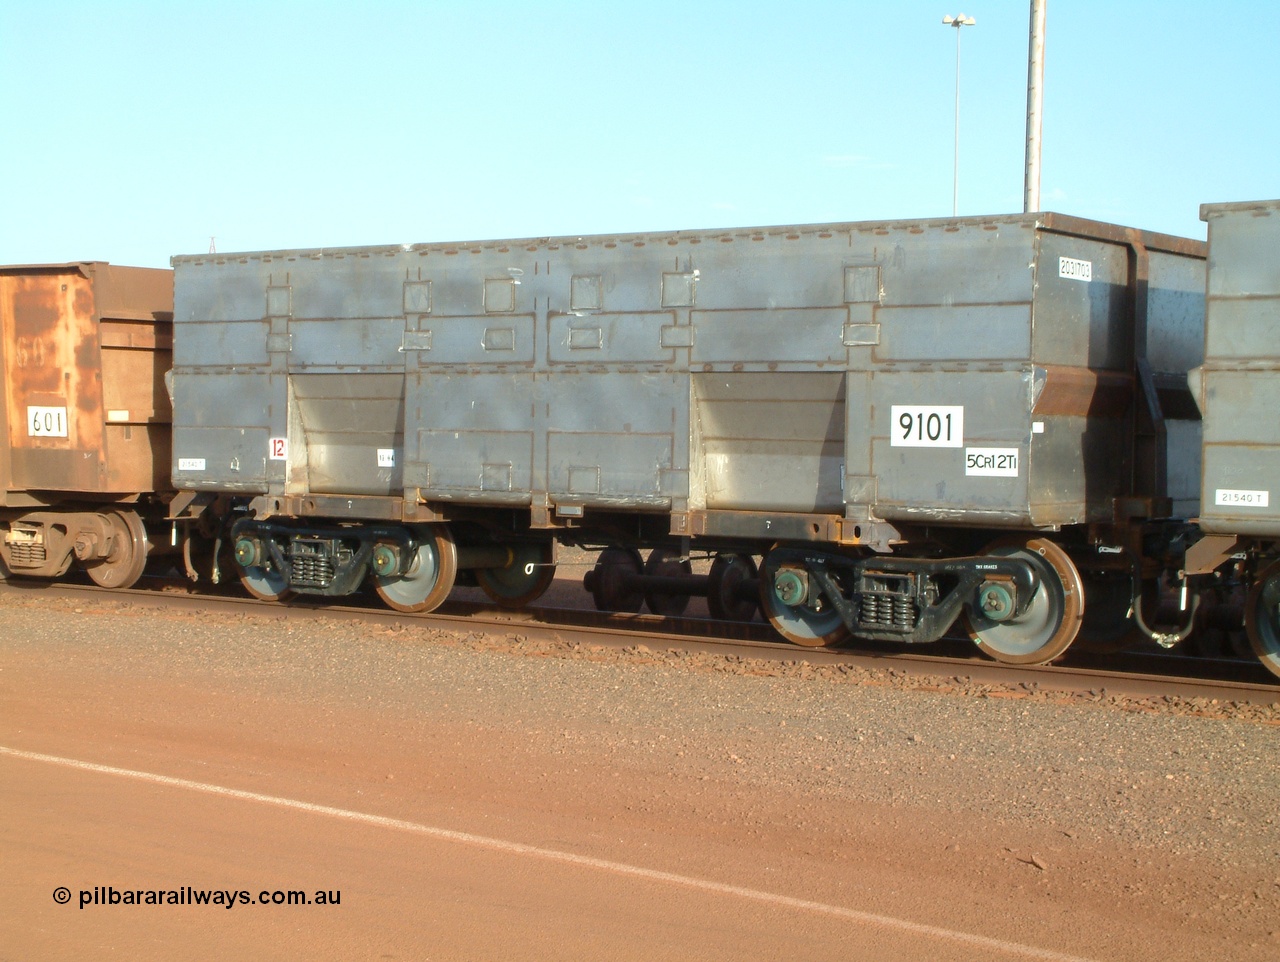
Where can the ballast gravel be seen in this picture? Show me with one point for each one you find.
(1152, 773)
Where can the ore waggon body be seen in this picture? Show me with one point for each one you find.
(1239, 392)
(84, 458)
(883, 429)
(907, 421)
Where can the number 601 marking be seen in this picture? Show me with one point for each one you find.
(46, 422)
(926, 426)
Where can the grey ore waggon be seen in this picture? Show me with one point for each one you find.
(893, 430)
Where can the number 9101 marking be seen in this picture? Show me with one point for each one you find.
(926, 426)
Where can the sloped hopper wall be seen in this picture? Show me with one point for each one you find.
(352, 427)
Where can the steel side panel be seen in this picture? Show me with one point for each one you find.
(351, 344)
(470, 463)
(1175, 313)
(346, 464)
(617, 437)
(1243, 331)
(621, 469)
(996, 332)
(609, 338)
(83, 349)
(772, 335)
(1242, 407)
(214, 294)
(223, 421)
(495, 339)
(914, 481)
(233, 459)
(204, 398)
(962, 263)
(54, 362)
(1241, 468)
(221, 344)
(1244, 249)
(1079, 323)
(1240, 381)
(357, 288)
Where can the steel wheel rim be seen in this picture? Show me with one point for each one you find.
(430, 577)
(800, 625)
(265, 584)
(510, 587)
(128, 559)
(727, 571)
(1262, 618)
(611, 564)
(664, 561)
(1052, 620)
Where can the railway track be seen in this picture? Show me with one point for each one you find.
(951, 663)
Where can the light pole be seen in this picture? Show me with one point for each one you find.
(957, 21)
(1035, 105)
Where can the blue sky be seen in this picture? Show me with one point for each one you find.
(134, 131)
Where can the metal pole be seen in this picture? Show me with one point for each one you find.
(957, 22)
(1035, 104)
(955, 166)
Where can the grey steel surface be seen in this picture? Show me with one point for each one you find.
(744, 370)
(1239, 385)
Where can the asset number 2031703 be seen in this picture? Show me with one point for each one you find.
(926, 426)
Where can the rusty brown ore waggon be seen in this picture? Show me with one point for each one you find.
(84, 459)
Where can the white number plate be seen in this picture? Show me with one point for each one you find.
(926, 426)
(1231, 497)
(44, 422)
(386, 457)
(191, 464)
(1074, 270)
(278, 449)
(991, 462)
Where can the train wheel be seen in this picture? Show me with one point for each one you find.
(606, 581)
(265, 584)
(724, 600)
(664, 562)
(128, 557)
(800, 622)
(430, 577)
(1050, 622)
(524, 580)
(1262, 617)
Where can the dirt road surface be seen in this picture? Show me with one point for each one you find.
(484, 798)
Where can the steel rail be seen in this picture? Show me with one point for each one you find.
(1146, 677)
